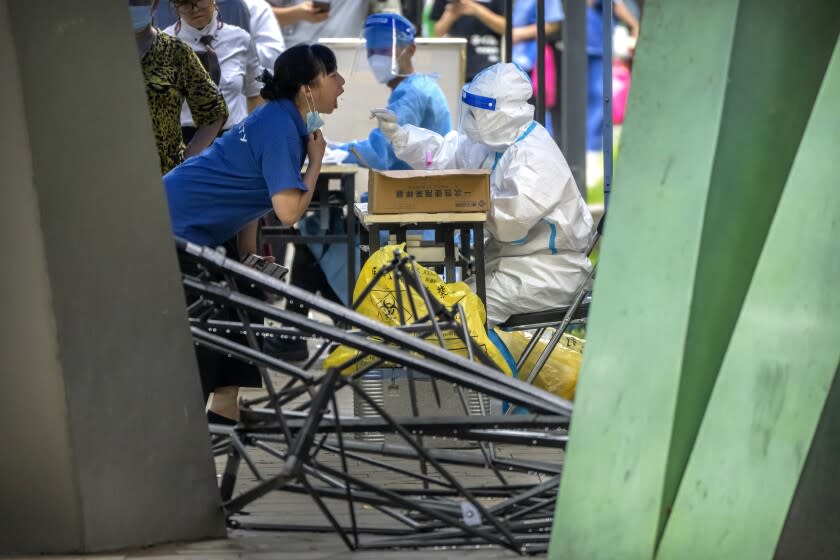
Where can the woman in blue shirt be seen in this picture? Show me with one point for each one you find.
(254, 168)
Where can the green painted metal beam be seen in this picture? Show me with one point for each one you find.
(775, 377)
(772, 87)
(811, 526)
(610, 498)
(715, 118)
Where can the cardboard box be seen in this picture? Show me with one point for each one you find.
(445, 190)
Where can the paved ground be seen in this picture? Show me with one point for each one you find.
(300, 509)
(305, 546)
(249, 546)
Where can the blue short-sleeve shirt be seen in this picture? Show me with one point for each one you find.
(416, 100)
(212, 196)
(525, 13)
(595, 27)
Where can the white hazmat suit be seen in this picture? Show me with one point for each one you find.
(539, 226)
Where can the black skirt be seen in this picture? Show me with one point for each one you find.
(216, 369)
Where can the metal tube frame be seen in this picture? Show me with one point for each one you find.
(298, 423)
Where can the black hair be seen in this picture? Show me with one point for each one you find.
(296, 66)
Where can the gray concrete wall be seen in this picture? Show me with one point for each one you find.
(36, 467)
(105, 444)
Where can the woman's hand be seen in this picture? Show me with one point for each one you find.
(308, 12)
(466, 8)
(316, 145)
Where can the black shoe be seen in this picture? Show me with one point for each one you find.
(213, 418)
(286, 349)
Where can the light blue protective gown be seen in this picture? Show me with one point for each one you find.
(416, 100)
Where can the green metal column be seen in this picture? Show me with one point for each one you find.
(721, 94)
(780, 54)
(810, 529)
(766, 404)
(610, 498)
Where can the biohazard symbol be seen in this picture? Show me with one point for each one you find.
(388, 309)
(441, 290)
(389, 312)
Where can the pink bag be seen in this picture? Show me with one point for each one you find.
(621, 88)
(550, 78)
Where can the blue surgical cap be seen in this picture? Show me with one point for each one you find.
(380, 30)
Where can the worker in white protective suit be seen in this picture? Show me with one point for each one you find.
(539, 226)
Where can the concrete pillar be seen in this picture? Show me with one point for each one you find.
(104, 439)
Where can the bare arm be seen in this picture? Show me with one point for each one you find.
(203, 137)
(528, 32)
(304, 11)
(247, 240)
(496, 22)
(447, 19)
(290, 204)
(623, 13)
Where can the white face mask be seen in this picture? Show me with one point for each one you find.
(381, 66)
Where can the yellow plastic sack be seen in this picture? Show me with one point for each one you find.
(381, 304)
(560, 373)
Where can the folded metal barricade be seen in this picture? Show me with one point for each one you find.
(294, 439)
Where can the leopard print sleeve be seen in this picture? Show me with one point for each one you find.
(172, 72)
(203, 97)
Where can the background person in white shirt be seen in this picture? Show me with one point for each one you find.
(254, 16)
(265, 32)
(234, 12)
(302, 21)
(228, 54)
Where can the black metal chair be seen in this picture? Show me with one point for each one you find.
(558, 318)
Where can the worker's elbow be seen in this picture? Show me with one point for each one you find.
(286, 208)
(286, 217)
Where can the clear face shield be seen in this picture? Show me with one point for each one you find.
(479, 118)
(384, 49)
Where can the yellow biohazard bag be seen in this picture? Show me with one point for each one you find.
(560, 373)
(381, 304)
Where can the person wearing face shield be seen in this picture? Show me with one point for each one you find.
(538, 226)
(253, 169)
(415, 98)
